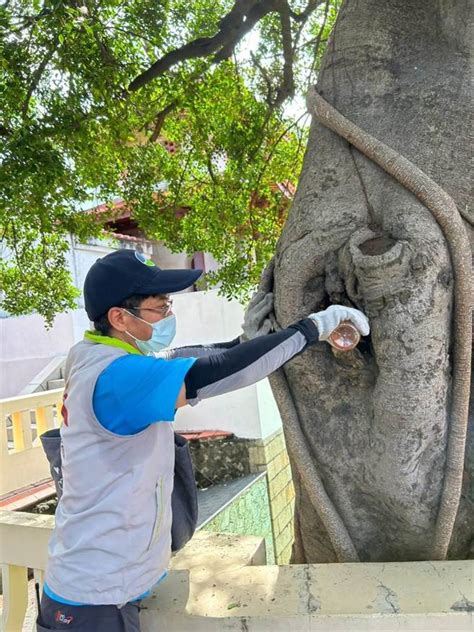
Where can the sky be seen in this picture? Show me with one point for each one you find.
(293, 108)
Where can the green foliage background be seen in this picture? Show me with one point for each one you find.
(71, 134)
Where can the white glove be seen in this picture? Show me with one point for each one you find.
(327, 320)
(256, 322)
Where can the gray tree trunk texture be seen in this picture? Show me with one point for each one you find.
(376, 421)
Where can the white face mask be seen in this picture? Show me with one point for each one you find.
(162, 335)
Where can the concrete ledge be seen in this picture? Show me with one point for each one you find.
(378, 597)
(305, 623)
(24, 538)
(216, 585)
(209, 553)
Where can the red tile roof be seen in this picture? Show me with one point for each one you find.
(202, 435)
(26, 496)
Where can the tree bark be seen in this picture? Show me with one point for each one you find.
(376, 420)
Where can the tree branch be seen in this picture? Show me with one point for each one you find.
(318, 41)
(210, 170)
(266, 78)
(114, 27)
(161, 116)
(37, 77)
(304, 15)
(14, 243)
(160, 119)
(273, 149)
(243, 16)
(287, 88)
(239, 21)
(254, 15)
(27, 20)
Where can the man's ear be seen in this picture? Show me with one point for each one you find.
(116, 318)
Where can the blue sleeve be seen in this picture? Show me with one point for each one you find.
(135, 391)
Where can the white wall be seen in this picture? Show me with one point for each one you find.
(164, 258)
(210, 263)
(205, 317)
(26, 347)
(81, 257)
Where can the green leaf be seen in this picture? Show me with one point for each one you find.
(70, 133)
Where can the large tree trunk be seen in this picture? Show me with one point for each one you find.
(376, 421)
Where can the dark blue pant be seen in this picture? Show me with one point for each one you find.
(59, 616)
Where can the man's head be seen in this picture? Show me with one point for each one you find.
(136, 307)
(126, 292)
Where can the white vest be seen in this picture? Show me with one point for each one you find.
(112, 539)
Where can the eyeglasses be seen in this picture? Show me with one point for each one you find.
(162, 311)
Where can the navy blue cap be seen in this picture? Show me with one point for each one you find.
(123, 273)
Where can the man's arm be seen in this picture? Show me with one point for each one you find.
(251, 361)
(197, 351)
(256, 323)
(246, 363)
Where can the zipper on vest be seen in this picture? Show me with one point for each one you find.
(158, 512)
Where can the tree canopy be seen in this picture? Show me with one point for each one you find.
(181, 109)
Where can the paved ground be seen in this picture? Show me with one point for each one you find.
(213, 499)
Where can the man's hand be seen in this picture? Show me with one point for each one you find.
(256, 322)
(327, 320)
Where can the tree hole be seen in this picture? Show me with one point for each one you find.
(377, 246)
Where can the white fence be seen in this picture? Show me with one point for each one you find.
(22, 420)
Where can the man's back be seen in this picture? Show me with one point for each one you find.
(112, 539)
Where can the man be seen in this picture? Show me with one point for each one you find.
(112, 539)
